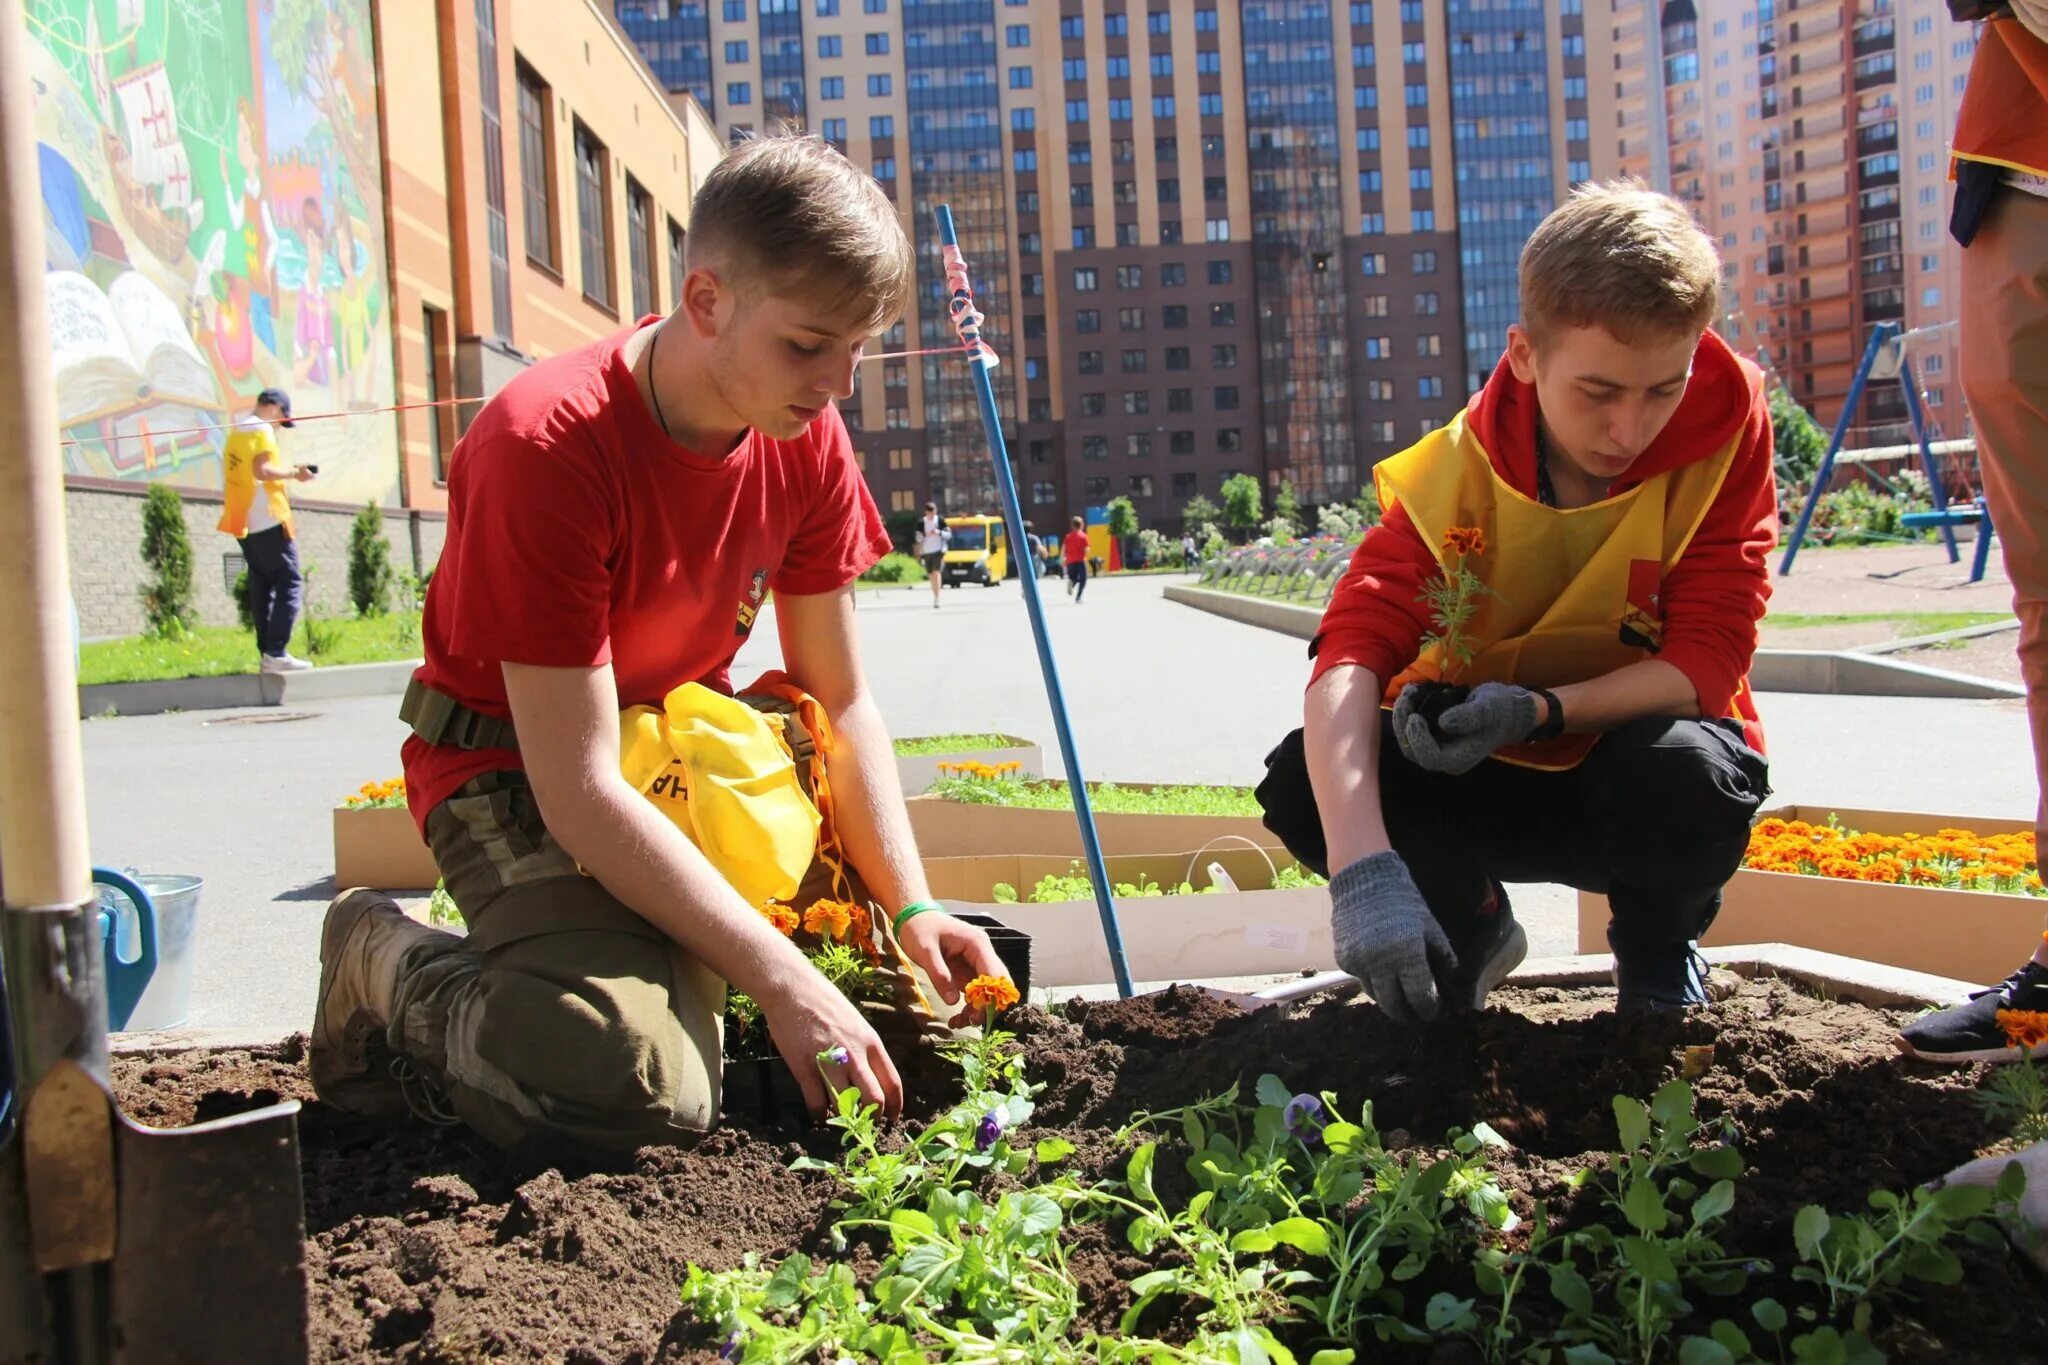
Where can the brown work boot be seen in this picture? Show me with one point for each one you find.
(363, 944)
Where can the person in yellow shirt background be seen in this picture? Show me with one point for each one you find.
(257, 511)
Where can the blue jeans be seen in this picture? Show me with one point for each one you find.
(276, 587)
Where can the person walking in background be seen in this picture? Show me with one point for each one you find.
(1076, 552)
(931, 546)
(263, 525)
(2001, 221)
(1188, 559)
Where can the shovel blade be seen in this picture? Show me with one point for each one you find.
(210, 1265)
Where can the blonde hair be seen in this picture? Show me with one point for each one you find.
(789, 215)
(1621, 256)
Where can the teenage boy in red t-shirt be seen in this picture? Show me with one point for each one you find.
(616, 516)
(1075, 550)
(1610, 488)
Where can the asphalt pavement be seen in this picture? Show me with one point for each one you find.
(1158, 693)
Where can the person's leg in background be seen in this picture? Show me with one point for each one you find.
(1079, 572)
(2005, 379)
(289, 596)
(257, 589)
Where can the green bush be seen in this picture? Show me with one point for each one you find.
(1242, 503)
(895, 567)
(243, 612)
(369, 563)
(1858, 514)
(167, 550)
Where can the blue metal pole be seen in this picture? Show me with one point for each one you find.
(1912, 388)
(1884, 332)
(1024, 554)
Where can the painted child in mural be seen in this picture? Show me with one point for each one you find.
(313, 319)
(251, 253)
(353, 309)
(1584, 548)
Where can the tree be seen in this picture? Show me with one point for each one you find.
(1368, 503)
(902, 527)
(1242, 503)
(1198, 511)
(1123, 519)
(369, 563)
(1798, 439)
(1286, 508)
(167, 550)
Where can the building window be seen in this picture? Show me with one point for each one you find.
(1173, 316)
(1424, 263)
(1375, 306)
(593, 225)
(1094, 447)
(440, 420)
(1087, 320)
(1017, 35)
(739, 93)
(902, 500)
(1174, 275)
(878, 44)
(1229, 439)
(879, 85)
(1219, 272)
(1043, 493)
(885, 168)
(1074, 69)
(498, 227)
(1137, 402)
(1180, 400)
(1092, 405)
(1130, 277)
(1216, 230)
(1020, 78)
(1223, 357)
(1177, 358)
(1430, 343)
(1427, 302)
(1373, 263)
(1094, 488)
(1089, 362)
(1162, 106)
(640, 246)
(900, 458)
(1180, 443)
(678, 264)
(1086, 280)
(1134, 361)
(874, 6)
(736, 51)
(1023, 120)
(536, 170)
(1184, 483)
(829, 45)
(1429, 386)
(832, 88)
(1141, 484)
(1226, 398)
(1223, 315)
(1024, 159)
(1130, 319)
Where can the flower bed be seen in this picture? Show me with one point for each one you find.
(1076, 1223)
(921, 760)
(1172, 931)
(376, 842)
(974, 814)
(1869, 884)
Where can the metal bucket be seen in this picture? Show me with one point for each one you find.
(167, 1001)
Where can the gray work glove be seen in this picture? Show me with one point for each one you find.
(1493, 715)
(1386, 937)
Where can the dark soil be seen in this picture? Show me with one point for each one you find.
(427, 1245)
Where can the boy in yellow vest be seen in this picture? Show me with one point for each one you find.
(257, 511)
(1610, 489)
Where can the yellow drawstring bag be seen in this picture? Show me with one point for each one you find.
(722, 773)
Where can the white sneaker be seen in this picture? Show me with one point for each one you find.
(284, 663)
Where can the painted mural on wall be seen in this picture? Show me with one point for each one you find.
(214, 218)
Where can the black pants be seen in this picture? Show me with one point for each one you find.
(1656, 817)
(276, 587)
(1077, 578)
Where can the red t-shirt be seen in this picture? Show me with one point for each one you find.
(579, 534)
(1076, 545)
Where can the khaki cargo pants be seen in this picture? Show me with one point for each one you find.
(564, 1012)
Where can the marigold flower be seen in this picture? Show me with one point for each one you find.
(2024, 1028)
(829, 919)
(783, 917)
(1465, 540)
(993, 994)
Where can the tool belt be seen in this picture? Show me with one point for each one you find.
(438, 718)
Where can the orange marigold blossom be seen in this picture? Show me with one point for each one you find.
(991, 993)
(829, 918)
(783, 917)
(2024, 1028)
(1465, 540)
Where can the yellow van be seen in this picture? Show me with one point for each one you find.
(976, 553)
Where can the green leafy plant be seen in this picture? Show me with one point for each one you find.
(1859, 1259)
(1198, 512)
(1106, 798)
(952, 744)
(1452, 596)
(1123, 518)
(1294, 876)
(369, 563)
(1242, 503)
(1287, 508)
(895, 567)
(167, 550)
(441, 910)
(245, 611)
(2016, 1099)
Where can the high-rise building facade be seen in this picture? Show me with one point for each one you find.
(1810, 136)
(1276, 237)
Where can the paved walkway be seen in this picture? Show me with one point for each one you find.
(1159, 692)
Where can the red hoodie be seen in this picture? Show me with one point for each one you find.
(1712, 598)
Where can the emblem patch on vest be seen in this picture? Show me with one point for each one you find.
(1642, 619)
(750, 605)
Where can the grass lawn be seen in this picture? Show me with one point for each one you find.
(1911, 623)
(214, 651)
(949, 744)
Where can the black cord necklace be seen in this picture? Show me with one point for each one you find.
(1546, 491)
(653, 390)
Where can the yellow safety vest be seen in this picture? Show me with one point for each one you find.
(721, 772)
(1576, 592)
(238, 467)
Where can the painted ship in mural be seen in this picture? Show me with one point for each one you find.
(212, 207)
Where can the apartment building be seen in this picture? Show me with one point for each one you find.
(1211, 236)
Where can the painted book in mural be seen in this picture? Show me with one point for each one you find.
(122, 347)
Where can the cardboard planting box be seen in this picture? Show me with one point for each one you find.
(380, 846)
(1967, 935)
(1166, 938)
(918, 771)
(948, 829)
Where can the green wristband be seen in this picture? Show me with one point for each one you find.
(911, 911)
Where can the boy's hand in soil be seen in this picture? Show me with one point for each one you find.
(1495, 714)
(1386, 937)
(952, 953)
(818, 1018)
